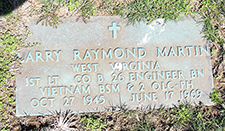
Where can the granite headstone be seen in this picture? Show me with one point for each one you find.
(105, 63)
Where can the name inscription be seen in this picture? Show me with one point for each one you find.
(89, 54)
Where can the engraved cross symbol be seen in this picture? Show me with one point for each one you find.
(114, 28)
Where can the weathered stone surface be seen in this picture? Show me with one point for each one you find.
(89, 67)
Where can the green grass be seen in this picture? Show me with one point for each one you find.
(182, 117)
(93, 123)
(149, 10)
(47, 14)
(9, 44)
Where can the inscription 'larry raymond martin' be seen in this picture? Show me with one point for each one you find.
(104, 63)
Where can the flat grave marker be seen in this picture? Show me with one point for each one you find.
(93, 66)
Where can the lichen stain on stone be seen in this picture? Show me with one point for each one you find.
(156, 27)
(118, 66)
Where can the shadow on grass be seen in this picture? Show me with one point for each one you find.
(7, 6)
